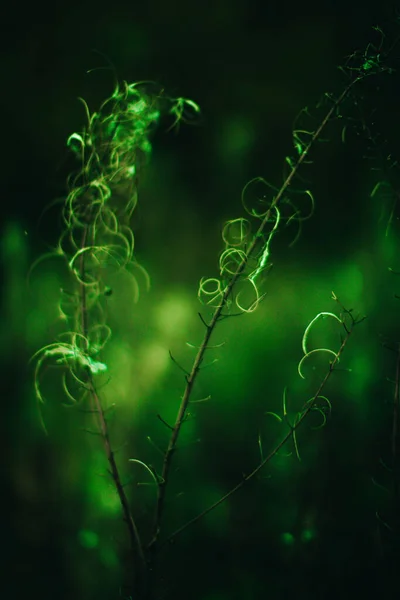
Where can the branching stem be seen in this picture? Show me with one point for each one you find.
(190, 380)
(293, 428)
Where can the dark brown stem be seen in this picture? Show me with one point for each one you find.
(139, 570)
(190, 379)
(139, 560)
(293, 428)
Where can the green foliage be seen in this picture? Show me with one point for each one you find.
(97, 246)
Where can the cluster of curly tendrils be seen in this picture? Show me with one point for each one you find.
(238, 238)
(97, 240)
(246, 257)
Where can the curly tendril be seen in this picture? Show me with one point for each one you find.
(308, 353)
(98, 240)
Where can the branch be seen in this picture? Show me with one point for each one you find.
(136, 544)
(138, 557)
(191, 378)
(293, 428)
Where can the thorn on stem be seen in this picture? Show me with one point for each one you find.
(177, 364)
(203, 321)
(165, 422)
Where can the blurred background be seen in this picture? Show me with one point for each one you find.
(324, 526)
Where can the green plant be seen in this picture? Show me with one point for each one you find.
(98, 243)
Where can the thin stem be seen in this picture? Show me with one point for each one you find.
(190, 380)
(139, 571)
(293, 428)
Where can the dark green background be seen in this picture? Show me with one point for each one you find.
(251, 67)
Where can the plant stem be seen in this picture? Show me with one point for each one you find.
(293, 428)
(139, 571)
(190, 379)
(139, 561)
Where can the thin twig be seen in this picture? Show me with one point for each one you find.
(264, 461)
(138, 557)
(164, 422)
(190, 379)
